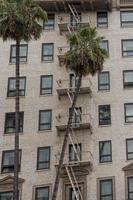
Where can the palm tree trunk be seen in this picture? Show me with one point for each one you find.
(57, 179)
(16, 154)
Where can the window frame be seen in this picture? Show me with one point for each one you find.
(126, 40)
(2, 166)
(100, 156)
(41, 89)
(13, 113)
(129, 86)
(13, 78)
(12, 57)
(104, 124)
(127, 153)
(52, 55)
(40, 187)
(131, 116)
(128, 22)
(53, 25)
(111, 188)
(128, 178)
(47, 110)
(104, 72)
(102, 23)
(42, 148)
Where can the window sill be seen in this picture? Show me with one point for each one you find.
(102, 28)
(51, 61)
(106, 163)
(108, 125)
(45, 95)
(41, 131)
(14, 97)
(42, 170)
(128, 123)
(102, 91)
(11, 134)
(21, 63)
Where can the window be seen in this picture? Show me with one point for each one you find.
(12, 86)
(102, 19)
(42, 193)
(128, 112)
(46, 85)
(47, 52)
(103, 81)
(49, 25)
(23, 51)
(130, 188)
(8, 161)
(106, 189)
(73, 80)
(105, 151)
(73, 20)
(104, 115)
(6, 195)
(104, 45)
(10, 122)
(72, 194)
(127, 48)
(76, 118)
(128, 79)
(45, 119)
(43, 158)
(74, 156)
(126, 18)
(129, 148)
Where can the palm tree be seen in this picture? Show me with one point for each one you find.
(19, 21)
(84, 57)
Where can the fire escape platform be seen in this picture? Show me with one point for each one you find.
(63, 27)
(79, 126)
(64, 91)
(80, 5)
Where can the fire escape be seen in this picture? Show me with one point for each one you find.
(77, 159)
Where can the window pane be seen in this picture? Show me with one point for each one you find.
(105, 151)
(12, 87)
(22, 52)
(49, 25)
(44, 154)
(102, 19)
(8, 158)
(129, 110)
(12, 84)
(106, 187)
(127, 48)
(42, 193)
(104, 81)
(127, 18)
(74, 156)
(130, 145)
(104, 115)
(45, 119)
(104, 45)
(46, 84)
(130, 182)
(6, 196)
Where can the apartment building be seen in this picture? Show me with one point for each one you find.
(103, 121)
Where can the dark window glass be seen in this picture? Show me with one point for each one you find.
(76, 118)
(72, 193)
(45, 120)
(73, 80)
(103, 81)
(43, 160)
(47, 52)
(23, 51)
(73, 21)
(8, 161)
(75, 156)
(46, 85)
(6, 195)
(12, 87)
(128, 79)
(104, 115)
(49, 25)
(127, 48)
(130, 188)
(10, 122)
(102, 19)
(42, 193)
(126, 18)
(106, 190)
(104, 45)
(105, 152)
(129, 113)
(129, 147)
